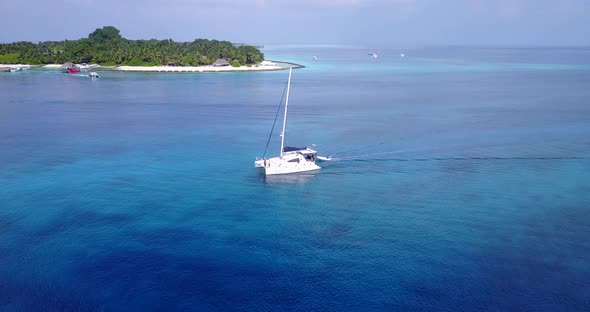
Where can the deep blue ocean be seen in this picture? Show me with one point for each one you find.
(460, 182)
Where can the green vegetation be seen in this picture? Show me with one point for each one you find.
(9, 58)
(105, 46)
(235, 63)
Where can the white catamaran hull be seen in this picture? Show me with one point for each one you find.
(288, 164)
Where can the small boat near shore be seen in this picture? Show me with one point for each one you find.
(70, 68)
(12, 68)
(83, 67)
(93, 75)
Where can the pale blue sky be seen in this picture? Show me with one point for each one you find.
(383, 22)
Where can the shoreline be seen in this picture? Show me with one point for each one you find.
(266, 65)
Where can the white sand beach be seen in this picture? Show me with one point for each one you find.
(15, 66)
(49, 66)
(263, 66)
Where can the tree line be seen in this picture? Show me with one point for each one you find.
(105, 46)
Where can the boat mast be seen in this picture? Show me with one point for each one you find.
(285, 118)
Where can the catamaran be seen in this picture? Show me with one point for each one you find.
(290, 159)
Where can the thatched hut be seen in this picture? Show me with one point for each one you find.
(221, 62)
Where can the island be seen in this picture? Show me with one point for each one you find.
(107, 48)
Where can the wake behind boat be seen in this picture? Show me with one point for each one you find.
(290, 159)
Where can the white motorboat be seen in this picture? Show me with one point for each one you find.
(83, 67)
(93, 75)
(290, 159)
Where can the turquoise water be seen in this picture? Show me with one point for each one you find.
(460, 183)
